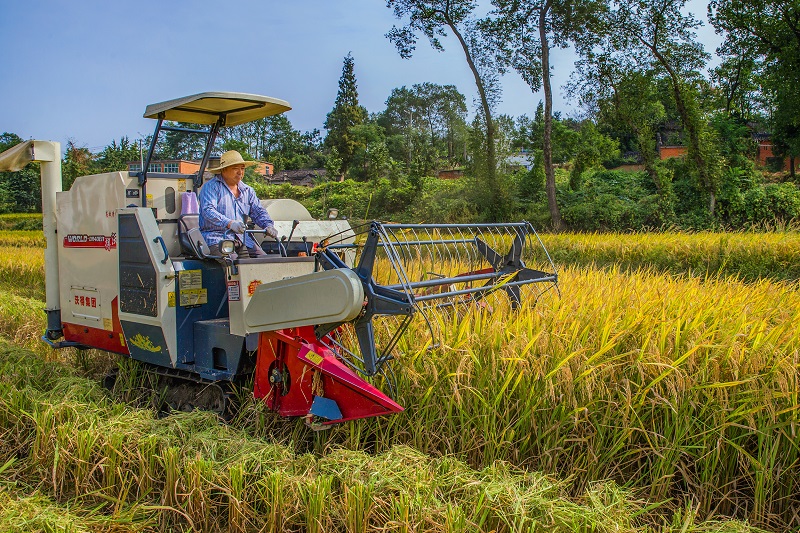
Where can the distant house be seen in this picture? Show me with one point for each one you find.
(668, 152)
(765, 156)
(302, 178)
(520, 160)
(453, 174)
(182, 166)
(168, 166)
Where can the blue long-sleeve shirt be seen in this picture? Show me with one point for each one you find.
(218, 207)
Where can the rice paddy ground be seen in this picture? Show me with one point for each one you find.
(643, 399)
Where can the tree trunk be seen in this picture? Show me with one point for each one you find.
(491, 159)
(547, 147)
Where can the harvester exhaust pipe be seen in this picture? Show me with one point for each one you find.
(48, 153)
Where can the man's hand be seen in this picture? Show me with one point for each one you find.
(237, 226)
(272, 232)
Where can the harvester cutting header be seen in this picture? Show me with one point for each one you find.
(316, 321)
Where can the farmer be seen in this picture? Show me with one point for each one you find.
(224, 202)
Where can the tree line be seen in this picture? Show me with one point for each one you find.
(640, 81)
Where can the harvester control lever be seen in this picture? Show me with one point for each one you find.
(294, 225)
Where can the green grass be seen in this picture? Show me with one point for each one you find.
(92, 464)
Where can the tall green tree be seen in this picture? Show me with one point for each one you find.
(371, 159)
(179, 144)
(658, 32)
(591, 148)
(625, 96)
(78, 161)
(525, 31)
(736, 81)
(771, 30)
(346, 114)
(426, 120)
(433, 19)
(117, 155)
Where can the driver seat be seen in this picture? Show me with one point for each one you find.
(192, 242)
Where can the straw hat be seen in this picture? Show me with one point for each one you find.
(230, 158)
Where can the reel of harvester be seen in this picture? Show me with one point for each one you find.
(332, 371)
(409, 269)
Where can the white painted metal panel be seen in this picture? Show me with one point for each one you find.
(86, 217)
(165, 280)
(253, 273)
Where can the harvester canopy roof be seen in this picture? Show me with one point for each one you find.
(207, 108)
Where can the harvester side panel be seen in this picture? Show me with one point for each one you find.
(87, 260)
(146, 278)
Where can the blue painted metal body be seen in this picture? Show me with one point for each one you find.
(212, 276)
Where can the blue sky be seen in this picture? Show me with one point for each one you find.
(86, 70)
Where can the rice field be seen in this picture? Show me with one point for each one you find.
(745, 256)
(644, 398)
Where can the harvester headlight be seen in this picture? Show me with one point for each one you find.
(226, 247)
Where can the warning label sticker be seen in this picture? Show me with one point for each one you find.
(193, 297)
(190, 279)
(233, 291)
(314, 358)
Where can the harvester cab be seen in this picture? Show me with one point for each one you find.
(315, 323)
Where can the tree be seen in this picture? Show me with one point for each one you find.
(286, 147)
(433, 18)
(591, 148)
(117, 156)
(78, 161)
(625, 95)
(370, 157)
(20, 192)
(179, 144)
(771, 31)
(524, 32)
(736, 81)
(657, 32)
(345, 114)
(425, 126)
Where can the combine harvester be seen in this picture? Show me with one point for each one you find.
(127, 271)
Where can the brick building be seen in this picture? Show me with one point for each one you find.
(182, 166)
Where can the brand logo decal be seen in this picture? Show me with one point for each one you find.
(144, 343)
(251, 289)
(106, 242)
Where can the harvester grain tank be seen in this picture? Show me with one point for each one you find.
(316, 322)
